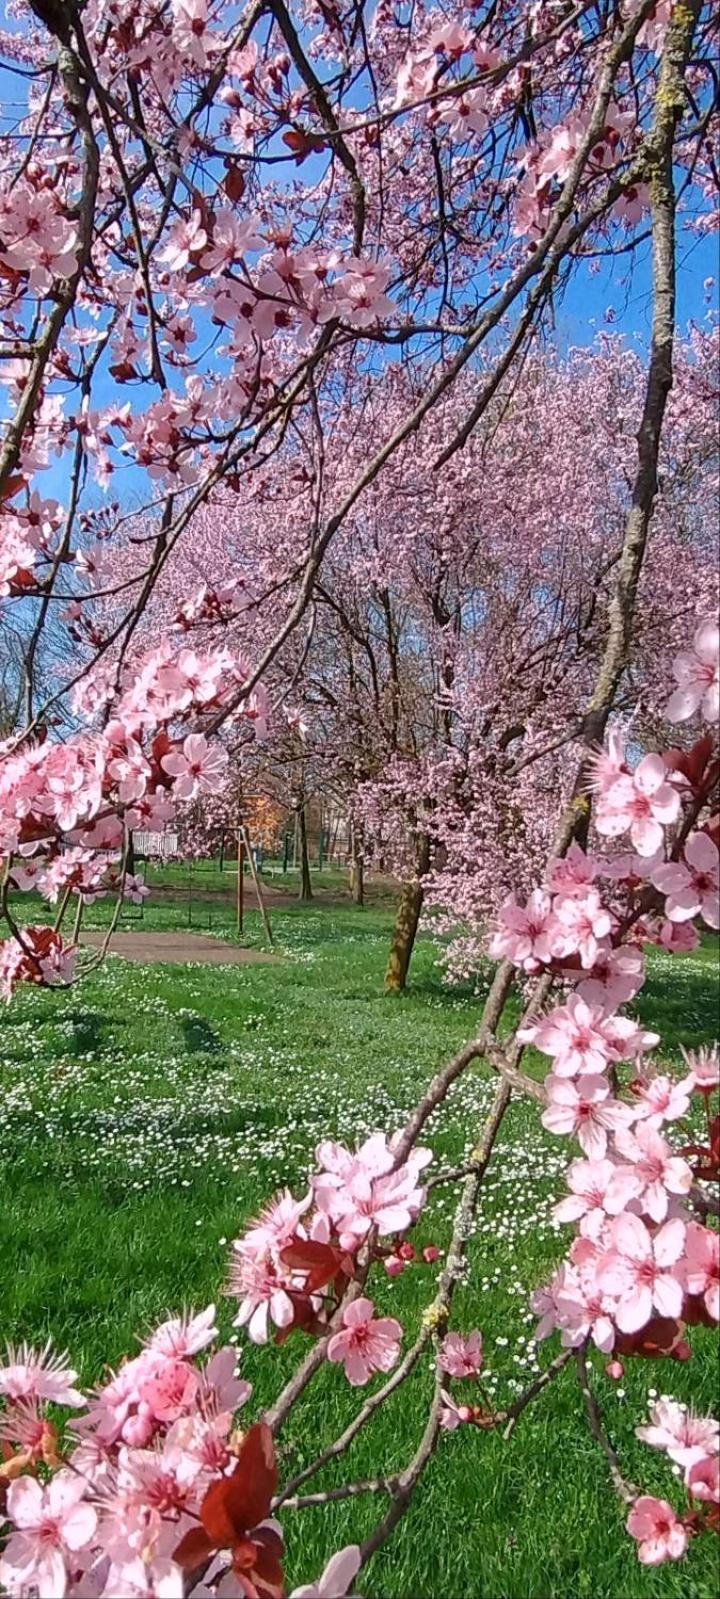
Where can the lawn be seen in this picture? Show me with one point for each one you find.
(147, 1115)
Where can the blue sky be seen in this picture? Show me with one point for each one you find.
(583, 311)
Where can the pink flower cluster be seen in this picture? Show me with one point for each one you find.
(691, 1442)
(66, 808)
(639, 1252)
(39, 241)
(697, 674)
(643, 1264)
(26, 543)
(147, 1445)
(363, 1189)
(275, 1265)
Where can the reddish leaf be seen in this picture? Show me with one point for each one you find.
(305, 1319)
(692, 762)
(13, 486)
(321, 1262)
(233, 182)
(222, 1528)
(235, 1504)
(193, 1549)
(660, 1337)
(265, 1577)
(302, 144)
(123, 371)
(696, 1313)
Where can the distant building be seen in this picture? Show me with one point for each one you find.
(162, 845)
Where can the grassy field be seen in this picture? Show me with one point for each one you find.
(147, 1114)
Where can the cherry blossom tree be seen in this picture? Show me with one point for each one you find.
(229, 215)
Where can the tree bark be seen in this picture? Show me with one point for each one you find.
(357, 866)
(305, 879)
(406, 922)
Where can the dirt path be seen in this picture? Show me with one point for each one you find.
(176, 949)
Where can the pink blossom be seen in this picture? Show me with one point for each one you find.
(659, 1534)
(662, 1099)
(583, 925)
(261, 1283)
(451, 39)
(599, 1189)
(702, 1266)
(188, 236)
(660, 1173)
(692, 886)
(184, 1336)
(545, 1301)
(525, 934)
(643, 803)
(697, 673)
(633, 203)
(366, 1344)
(586, 1109)
(464, 114)
(679, 938)
(461, 1355)
(169, 1390)
(704, 1068)
(135, 888)
(617, 976)
(39, 1377)
(50, 1525)
(584, 1311)
(451, 1415)
(276, 1225)
(643, 1270)
(129, 769)
(684, 1437)
(139, 1578)
(703, 1479)
(632, 870)
(198, 768)
(145, 1394)
(222, 1390)
(231, 238)
(361, 1190)
(337, 1576)
(572, 874)
(583, 1037)
(608, 764)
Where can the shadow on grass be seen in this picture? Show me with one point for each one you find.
(200, 1038)
(684, 1009)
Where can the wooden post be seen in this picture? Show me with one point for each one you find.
(258, 889)
(240, 893)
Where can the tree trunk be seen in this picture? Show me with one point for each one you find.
(406, 922)
(305, 880)
(357, 866)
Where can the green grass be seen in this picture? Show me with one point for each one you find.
(148, 1113)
